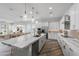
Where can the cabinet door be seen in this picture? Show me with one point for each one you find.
(77, 16)
(67, 50)
(42, 42)
(40, 45)
(27, 51)
(4, 50)
(72, 13)
(73, 53)
(64, 49)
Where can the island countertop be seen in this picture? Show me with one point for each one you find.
(22, 41)
(12, 35)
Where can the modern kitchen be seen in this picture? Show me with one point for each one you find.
(39, 29)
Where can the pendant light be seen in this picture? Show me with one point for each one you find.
(25, 15)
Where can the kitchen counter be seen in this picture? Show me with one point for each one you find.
(12, 35)
(22, 41)
(72, 42)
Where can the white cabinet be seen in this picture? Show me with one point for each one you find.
(5, 50)
(42, 42)
(52, 35)
(68, 48)
(67, 51)
(26, 51)
(72, 14)
(64, 47)
(53, 26)
(77, 16)
(73, 52)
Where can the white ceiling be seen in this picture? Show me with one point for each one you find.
(14, 11)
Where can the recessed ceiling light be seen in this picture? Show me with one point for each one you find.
(25, 17)
(36, 22)
(31, 12)
(33, 20)
(50, 8)
(51, 15)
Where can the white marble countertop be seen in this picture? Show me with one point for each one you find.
(73, 43)
(22, 41)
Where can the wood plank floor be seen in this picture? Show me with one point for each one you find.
(51, 48)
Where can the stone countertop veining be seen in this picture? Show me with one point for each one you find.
(71, 42)
(22, 41)
(10, 36)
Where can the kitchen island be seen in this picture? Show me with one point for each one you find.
(23, 44)
(4, 49)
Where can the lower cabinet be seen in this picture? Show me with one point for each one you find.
(66, 48)
(73, 52)
(31, 50)
(42, 41)
(27, 51)
(35, 48)
(5, 50)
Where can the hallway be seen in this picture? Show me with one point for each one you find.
(51, 48)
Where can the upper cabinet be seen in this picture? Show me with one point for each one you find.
(77, 16)
(73, 14)
(67, 22)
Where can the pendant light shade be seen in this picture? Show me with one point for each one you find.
(25, 15)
